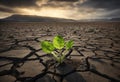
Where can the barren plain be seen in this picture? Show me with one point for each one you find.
(95, 56)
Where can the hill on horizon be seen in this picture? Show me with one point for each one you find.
(34, 18)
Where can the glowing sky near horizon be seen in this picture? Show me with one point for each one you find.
(69, 9)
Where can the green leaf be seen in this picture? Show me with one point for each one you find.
(58, 42)
(47, 46)
(69, 44)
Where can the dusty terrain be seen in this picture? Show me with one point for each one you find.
(95, 56)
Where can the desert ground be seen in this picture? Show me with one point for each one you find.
(95, 56)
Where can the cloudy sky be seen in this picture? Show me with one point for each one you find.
(71, 9)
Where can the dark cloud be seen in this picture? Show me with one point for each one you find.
(80, 8)
(7, 10)
(57, 4)
(105, 4)
(65, 0)
(18, 3)
(114, 14)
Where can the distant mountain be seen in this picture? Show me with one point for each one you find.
(33, 18)
(99, 20)
(115, 19)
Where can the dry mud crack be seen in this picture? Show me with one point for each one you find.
(95, 56)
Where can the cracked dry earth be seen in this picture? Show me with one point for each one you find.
(95, 56)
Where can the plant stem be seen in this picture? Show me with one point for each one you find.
(59, 56)
(65, 52)
(54, 55)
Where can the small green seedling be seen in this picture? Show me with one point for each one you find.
(58, 48)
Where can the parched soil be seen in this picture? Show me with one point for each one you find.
(95, 56)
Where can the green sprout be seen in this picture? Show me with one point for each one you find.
(58, 47)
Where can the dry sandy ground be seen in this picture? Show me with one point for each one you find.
(95, 56)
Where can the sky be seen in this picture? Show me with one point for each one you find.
(69, 9)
